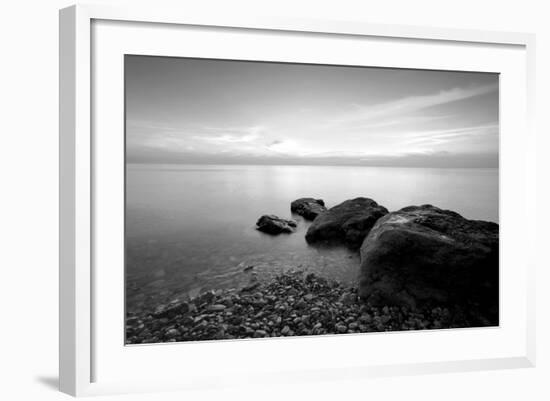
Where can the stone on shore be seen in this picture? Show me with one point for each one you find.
(274, 225)
(308, 208)
(422, 254)
(347, 223)
(276, 308)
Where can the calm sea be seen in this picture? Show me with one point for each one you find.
(190, 228)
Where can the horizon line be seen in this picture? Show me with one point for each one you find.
(307, 165)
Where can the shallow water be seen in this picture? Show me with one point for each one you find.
(190, 228)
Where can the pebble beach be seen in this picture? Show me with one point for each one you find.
(294, 303)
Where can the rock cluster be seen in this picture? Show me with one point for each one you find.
(294, 303)
(421, 268)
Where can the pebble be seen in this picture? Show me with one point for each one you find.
(216, 308)
(348, 298)
(365, 318)
(172, 333)
(301, 304)
(341, 328)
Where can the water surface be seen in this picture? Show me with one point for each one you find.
(190, 228)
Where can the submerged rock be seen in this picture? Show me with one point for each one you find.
(348, 222)
(274, 225)
(308, 208)
(423, 254)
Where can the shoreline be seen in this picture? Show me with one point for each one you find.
(293, 303)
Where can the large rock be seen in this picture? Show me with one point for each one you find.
(274, 225)
(308, 208)
(426, 255)
(348, 223)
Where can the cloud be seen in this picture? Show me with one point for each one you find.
(287, 147)
(230, 135)
(227, 138)
(403, 120)
(407, 131)
(411, 104)
(447, 135)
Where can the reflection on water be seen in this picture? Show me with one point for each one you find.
(190, 228)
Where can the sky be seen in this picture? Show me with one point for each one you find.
(202, 111)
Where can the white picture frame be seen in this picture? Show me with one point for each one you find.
(78, 213)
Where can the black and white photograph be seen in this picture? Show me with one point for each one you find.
(271, 199)
(287, 200)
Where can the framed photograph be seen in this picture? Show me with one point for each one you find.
(277, 200)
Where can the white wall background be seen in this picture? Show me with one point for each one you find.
(28, 158)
